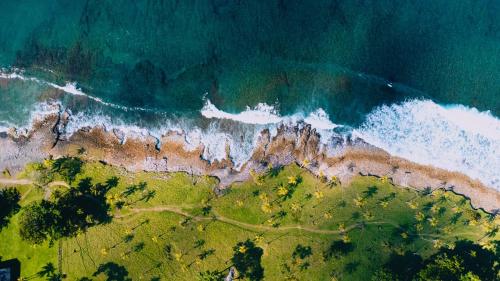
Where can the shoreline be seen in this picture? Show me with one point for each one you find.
(290, 144)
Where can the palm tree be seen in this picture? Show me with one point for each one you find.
(334, 181)
(266, 207)
(433, 222)
(256, 177)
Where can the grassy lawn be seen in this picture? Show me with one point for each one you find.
(32, 257)
(171, 226)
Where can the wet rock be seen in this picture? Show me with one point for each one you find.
(350, 157)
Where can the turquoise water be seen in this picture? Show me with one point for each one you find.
(166, 55)
(153, 63)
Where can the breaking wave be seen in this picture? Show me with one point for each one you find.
(261, 114)
(452, 137)
(264, 114)
(69, 88)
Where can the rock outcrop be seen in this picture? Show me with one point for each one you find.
(344, 158)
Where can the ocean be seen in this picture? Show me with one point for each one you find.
(420, 79)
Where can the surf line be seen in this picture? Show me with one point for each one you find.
(264, 114)
(72, 89)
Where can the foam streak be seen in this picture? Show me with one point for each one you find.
(456, 137)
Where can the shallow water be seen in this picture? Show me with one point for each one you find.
(154, 65)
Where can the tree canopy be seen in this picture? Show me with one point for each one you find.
(465, 261)
(38, 221)
(67, 167)
(70, 211)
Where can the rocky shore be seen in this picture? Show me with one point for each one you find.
(344, 159)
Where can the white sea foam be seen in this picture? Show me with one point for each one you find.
(82, 120)
(456, 137)
(264, 114)
(213, 139)
(261, 114)
(38, 112)
(453, 137)
(215, 142)
(11, 76)
(69, 88)
(320, 120)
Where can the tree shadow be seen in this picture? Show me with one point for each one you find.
(112, 182)
(338, 249)
(129, 190)
(67, 167)
(72, 210)
(404, 266)
(128, 238)
(148, 196)
(113, 272)
(370, 192)
(427, 206)
(302, 252)
(205, 210)
(351, 267)
(132, 189)
(49, 272)
(9, 205)
(389, 197)
(206, 253)
(138, 247)
(247, 260)
(482, 262)
(199, 243)
(405, 231)
(356, 215)
(274, 171)
(426, 191)
(441, 211)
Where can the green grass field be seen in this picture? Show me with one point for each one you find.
(171, 226)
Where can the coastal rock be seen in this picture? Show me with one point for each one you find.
(343, 158)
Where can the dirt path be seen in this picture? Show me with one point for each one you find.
(5, 181)
(15, 181)
(254, 227)
(48, 191)
(249, 226)
(215, 216)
